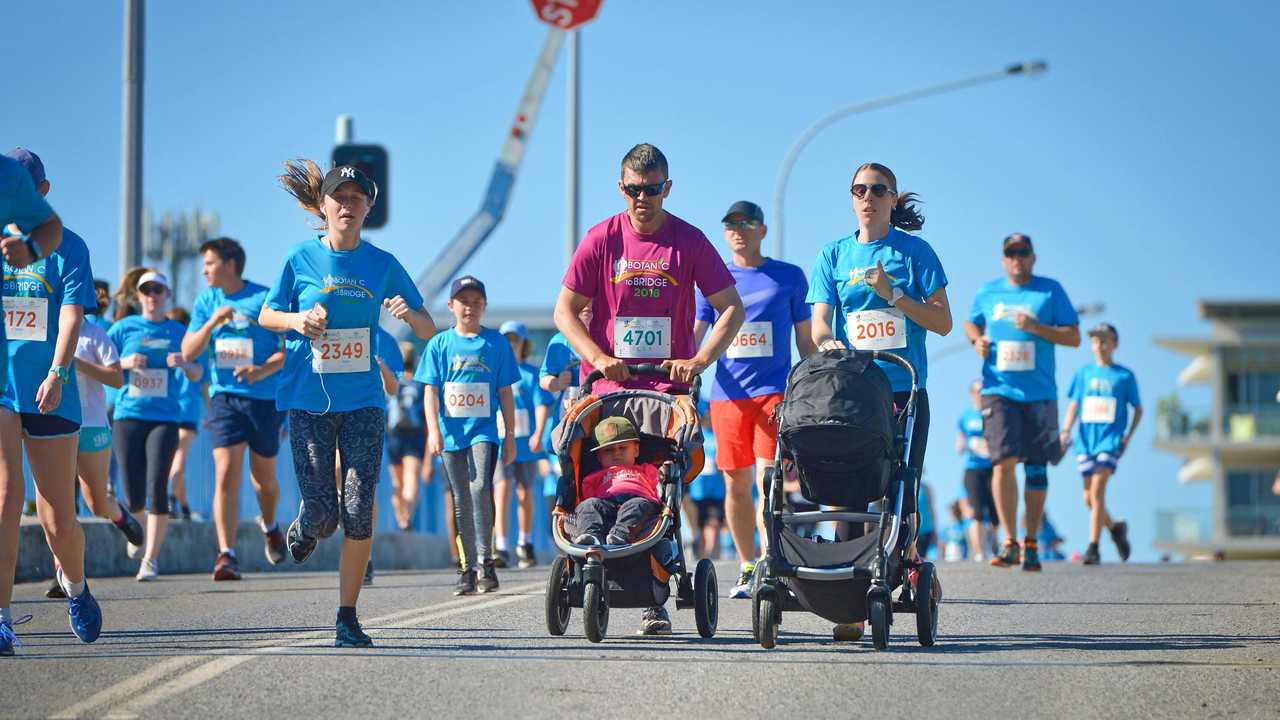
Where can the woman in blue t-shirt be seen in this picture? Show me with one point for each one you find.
(407, 439)
(883, 289)
(328, 298)
(192, 399)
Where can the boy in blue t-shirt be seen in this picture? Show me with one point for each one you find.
(468, 371)
(1101, 394)
(980, 507)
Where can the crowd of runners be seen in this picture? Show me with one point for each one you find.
(90, 399)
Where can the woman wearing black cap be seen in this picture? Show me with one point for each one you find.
(328, 298)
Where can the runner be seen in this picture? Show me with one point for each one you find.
(46, 285)
(386, 352)
(192, 397)
(981, 507)
(752, 375)
(1013, 325)
(1101, 394)
(468, 371)
(890, 291)
(704, 505)
(407, 439)
(637, 270)
(147, 413)
(242, 404)
(327, 298)
(102, 291)
(532, 410)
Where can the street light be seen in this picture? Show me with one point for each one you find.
(784, 173)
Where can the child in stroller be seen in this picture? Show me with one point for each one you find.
(622, 496)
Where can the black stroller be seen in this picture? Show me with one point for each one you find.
(838, 432)
(637, 574)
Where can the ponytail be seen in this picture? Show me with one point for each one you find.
(302, 179)
(905, 215)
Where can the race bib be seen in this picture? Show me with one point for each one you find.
(877, 329)
(26, 318)
(642, 337)
(233, 352)
(522, 423)
(978, 447)
(1098, 409)
(1015, 355)
(466, 400)
(754, 340)
(341, 351)
(148, 383)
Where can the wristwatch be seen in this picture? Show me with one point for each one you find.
(895, 296)
(61, 373)
(33, 247)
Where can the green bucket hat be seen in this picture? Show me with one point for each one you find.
(613, 431)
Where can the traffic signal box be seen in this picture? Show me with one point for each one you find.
(372, 161)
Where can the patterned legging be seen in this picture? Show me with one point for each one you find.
(358, 436)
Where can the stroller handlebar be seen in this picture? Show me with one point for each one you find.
(646, 370)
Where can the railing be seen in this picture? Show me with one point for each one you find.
(1194, 423)
(1184, 527)
(1242, 423)
(1254, 521)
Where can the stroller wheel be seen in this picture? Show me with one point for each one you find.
(558, 607)
(927, 597)
(767, 619)
(706, 599)
(880, 616)
(595, 612)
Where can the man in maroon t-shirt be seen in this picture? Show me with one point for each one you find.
(638, 270)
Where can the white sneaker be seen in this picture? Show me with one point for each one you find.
(134, 551)
(147, 571)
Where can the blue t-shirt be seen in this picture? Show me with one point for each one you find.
(709, 485)
(759, 359)
(976, 455)
(33, 298)
(22, 205)
(191, 394)
(351, 285)
(239, 341)
(406, 413)
(558, 357)
(837, 280)
(154, 393)
(1103, 394)
(528, 396)
(387, 349)
(468, 372)
(98, 320)
(1021, 365)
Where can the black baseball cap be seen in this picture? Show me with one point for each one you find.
(1104, 328)
(744, 207)
(349, 173)
(467, 282)
(1018, 239)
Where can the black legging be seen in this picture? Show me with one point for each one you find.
(145, 449)
(915, 461)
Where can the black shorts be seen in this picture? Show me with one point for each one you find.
(710, 509)
(401, 444)
(977, 487)
(47, 427)
(1027, 431)
(190, 426)
(234, 419)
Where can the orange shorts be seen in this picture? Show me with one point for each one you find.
(744, 430)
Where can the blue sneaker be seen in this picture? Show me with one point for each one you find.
(9, 641)
(86, 616)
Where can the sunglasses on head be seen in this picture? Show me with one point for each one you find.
(742, 224)
(634, 190)
(859, 190)
(1017, 252)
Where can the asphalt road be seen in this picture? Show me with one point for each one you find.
(1110, 641)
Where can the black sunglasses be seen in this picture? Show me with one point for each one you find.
(742, 224)
(151, 289)
(1017, 252)
(651, 190)
(859, 190)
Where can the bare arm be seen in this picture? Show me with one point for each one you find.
(541, 413)
(699, 331)
(1133, 427)
(195, 343)
(431, 404)
(960, 443)
(507, 403)
(49, 394)
(804, 338)
(568, 305)
(1067, 335)
(729, 317)
(109, 375)
(934, 314)
(820, 331)
(1069, 422)
(978, 339)
(390, 385)
(47, 236)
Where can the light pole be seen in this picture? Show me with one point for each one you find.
(784, 173)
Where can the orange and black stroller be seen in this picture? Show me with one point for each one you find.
(595, 578)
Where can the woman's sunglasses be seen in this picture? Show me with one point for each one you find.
(651, 190)
(859, 190)
(151, 289)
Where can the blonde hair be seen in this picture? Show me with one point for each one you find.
(409, 354)
(302, 179)
(126, 293)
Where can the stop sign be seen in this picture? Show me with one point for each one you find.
(566, 14)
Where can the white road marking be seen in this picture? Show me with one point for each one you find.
(128, 687)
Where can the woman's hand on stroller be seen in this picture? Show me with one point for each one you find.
(831, 344)
(684, 371)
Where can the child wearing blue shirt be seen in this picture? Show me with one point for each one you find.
(468, 371)
(1101, 394)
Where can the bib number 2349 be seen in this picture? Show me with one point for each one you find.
(341, 351)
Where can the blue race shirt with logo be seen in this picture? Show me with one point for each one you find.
(387, 349)
(976, 455)
(155, 340)
(457, 366)
(1109, 391)
(528, 396)
(248, 302)
(558, 357)
(191, 394)
(759, 359)
(33, 300)
(22, 205)
(351, 285)
(994, 309)
(910, 264)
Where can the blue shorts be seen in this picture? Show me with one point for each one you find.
(234, 419)
(1090, 464)
(401, 444)
(94, 439)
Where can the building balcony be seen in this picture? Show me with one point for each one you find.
(1245, 432)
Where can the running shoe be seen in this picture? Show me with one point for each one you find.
(1009, 555)
(274, 545)
(368, 574)
(525, 557)
(85, 616)
(300, 546)
(502, 558)
(133, 550)
(1091, 556)
(742, 588)
(226, 567)
(8, 640)
(1031, 558)
(350, 635)
(132, 530)
(55, 591)
(488, 581)
(1120, 536)
(147, 571)
(848, 632)
(466, 584)
(655, 621)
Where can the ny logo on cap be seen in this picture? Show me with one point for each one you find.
(348, 172)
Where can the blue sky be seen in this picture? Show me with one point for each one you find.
(1140, 163)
